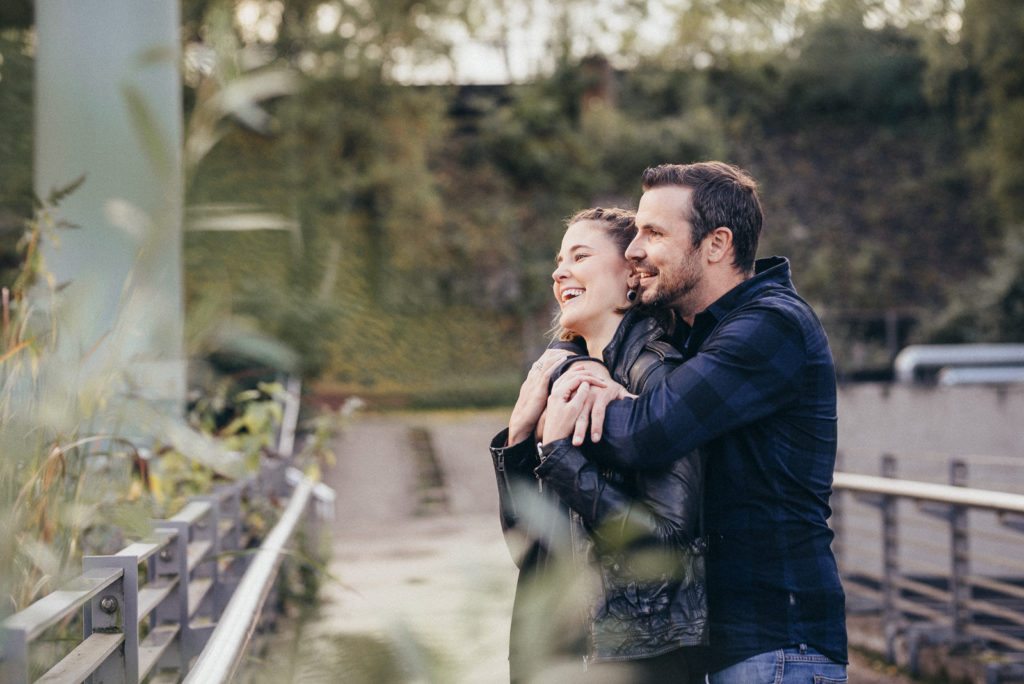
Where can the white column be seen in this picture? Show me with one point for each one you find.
(108, 106)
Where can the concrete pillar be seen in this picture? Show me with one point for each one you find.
(108, 107)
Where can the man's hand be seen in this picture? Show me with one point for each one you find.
(564, 410)
(533, 396)
(589, 412)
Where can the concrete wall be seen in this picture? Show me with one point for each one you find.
(926, 426)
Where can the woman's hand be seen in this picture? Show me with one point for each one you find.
(533, 396)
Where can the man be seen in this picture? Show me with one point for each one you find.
(757, 394)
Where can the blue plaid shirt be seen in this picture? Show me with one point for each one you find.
(758, 394)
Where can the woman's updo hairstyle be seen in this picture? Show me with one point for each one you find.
(620, 224)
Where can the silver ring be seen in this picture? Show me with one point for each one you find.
(539, 365)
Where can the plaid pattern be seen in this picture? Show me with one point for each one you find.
(758, 394)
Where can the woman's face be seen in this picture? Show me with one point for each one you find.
(590, 277)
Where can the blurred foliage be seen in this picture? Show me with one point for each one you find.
(981, 79)
(406, 232)
(75, 478)
(16, 196)
(990, 308)
(80, 472)
(989, 93)
(65, 488)
(17, 14)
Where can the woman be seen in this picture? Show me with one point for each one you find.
(637, 532)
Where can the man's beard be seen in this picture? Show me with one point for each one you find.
(668, 297)
(672, 294)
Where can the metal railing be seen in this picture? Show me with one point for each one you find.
(186, 601)
(157, 605)
(941, 563)
(224, 651)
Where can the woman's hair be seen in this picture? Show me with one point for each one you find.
(620, 226)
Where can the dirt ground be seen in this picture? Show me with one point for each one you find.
(425, 581)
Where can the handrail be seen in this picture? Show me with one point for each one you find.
(57, 605)
(226, 646)
(938, 588)
(919, 356)
(927, 491)
(185, 581)
(199, 594)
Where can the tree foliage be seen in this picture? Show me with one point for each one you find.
(442, 199)
(991, 100)
(16, 195)
(416, 224)
(982, 80)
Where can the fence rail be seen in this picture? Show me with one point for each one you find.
(223, 653)
(188, 599)
(941, 563)
(154, 606)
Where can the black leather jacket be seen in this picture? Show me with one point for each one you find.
(641, 530)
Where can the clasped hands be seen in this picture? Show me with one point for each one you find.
(578, 400)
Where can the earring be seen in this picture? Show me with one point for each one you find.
(631, 295)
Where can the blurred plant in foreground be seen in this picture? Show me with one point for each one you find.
(88, 463)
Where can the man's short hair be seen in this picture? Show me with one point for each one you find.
(723, 195)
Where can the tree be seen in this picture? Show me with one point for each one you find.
(423, 210)
(982, 78)
(991, 98)
(17, 197)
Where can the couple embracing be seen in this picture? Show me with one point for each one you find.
(665, 477)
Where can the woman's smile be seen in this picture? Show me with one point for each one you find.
(571, 293)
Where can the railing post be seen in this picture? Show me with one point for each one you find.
(14, 666)
(323, 512)
(323, 500)
(890, 561)
(208, 528)
(959, 589)
(249, 490)
(116, 609)
(172, 561)
(229, 541)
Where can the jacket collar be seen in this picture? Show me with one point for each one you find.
(633, 332)
(771, 273)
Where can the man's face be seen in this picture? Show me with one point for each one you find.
(670, 267)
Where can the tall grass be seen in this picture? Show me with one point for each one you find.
(87, 461)
(85, 465)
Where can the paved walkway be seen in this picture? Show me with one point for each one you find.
(426, 571)
(428, 581)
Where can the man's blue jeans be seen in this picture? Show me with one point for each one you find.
(786, 666)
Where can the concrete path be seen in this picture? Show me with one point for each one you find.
(425, 567)
(427, 580)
